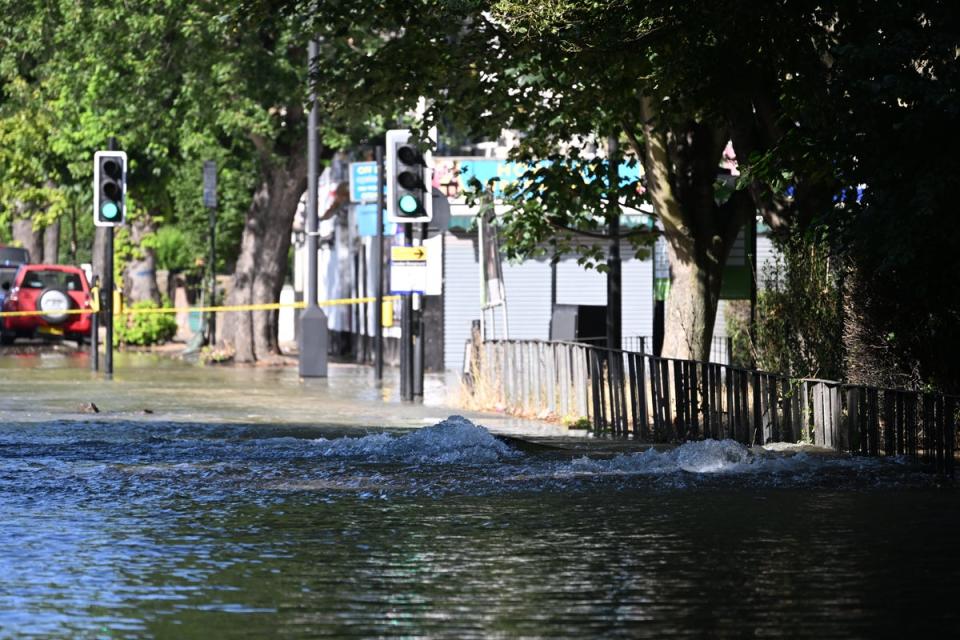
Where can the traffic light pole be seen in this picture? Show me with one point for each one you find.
(107, 304)
(418, 334)
(107, 292)
(406, 332)
(409, 203)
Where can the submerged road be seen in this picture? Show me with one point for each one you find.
(244, 503)
(40, 385)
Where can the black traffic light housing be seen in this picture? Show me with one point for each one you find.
(409, 197)
(109, 188)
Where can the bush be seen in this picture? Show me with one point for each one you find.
(799, 328)
(144, 329)
(172, 249)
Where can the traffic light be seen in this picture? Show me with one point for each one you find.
(409, 198)
(109, 188)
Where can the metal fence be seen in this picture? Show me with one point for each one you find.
(721, 347)
(653, 399)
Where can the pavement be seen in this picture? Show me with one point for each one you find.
(57, 384)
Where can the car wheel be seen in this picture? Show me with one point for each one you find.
(54, 302)
(7, 339)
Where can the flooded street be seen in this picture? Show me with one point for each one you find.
(249, 504)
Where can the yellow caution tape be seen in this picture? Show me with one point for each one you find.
(21, 314)
(236, 307)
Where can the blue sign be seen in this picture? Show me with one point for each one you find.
(367, 221)
(363, 182)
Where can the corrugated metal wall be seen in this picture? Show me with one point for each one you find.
(576, 285)
(461, 296)
(527, 287)
(766, 257)
(636, 296)
(528, 293)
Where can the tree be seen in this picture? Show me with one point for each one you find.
(893, 85)
(177, 82)
(563, 73)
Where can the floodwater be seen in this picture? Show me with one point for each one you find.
(249, 504)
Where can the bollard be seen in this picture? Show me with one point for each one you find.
(95, 326)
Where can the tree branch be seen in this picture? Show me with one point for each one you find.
(603, 236)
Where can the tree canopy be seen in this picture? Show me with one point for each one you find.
(821, 101)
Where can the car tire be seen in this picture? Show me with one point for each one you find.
(54, 300)
(7, 339)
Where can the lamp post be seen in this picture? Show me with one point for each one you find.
(313, 321)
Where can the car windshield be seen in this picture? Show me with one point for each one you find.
(13, 255)
(56, 279)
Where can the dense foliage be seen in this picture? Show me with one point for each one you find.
(144, 329)
(799, 316)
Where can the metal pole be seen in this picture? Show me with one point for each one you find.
(406, 329)
(312, 173)
(378, 269)
(213, 275)
(95, 331)
(418, 333)
(313, 321)
(108, 304)
(752, 239)
(613, 260)
(108, 289)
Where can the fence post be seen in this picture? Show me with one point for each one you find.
(565, 378)
(853, 418)
(757, 414)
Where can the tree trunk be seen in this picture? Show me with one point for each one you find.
(140, 273)
(681, 164)
(26, 236)
(51, 243)
(262, 263)
(691, 306)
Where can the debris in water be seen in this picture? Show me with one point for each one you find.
(88, 407)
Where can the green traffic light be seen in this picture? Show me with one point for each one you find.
(408, 204)
(109, 210)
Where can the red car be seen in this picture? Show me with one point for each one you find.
(53, 289)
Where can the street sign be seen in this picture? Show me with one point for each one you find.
(210, 184)
(408, 254)
(363, 182)
(408, 269)
(366, 215)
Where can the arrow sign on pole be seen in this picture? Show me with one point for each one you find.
(408, 269)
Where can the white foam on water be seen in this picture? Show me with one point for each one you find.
(455, 440)
(718, 457)
(707, 456)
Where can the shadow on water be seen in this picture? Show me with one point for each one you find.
(175, 525)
